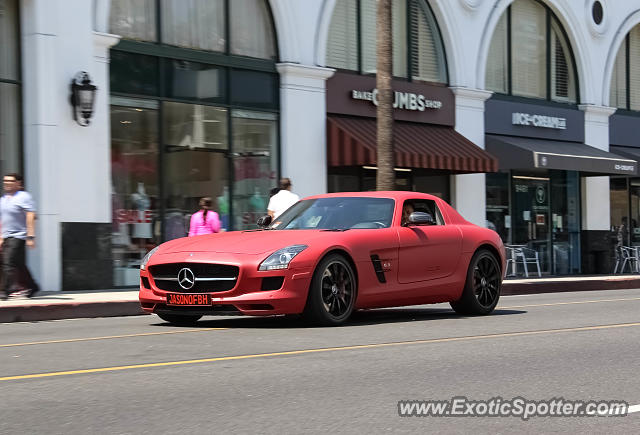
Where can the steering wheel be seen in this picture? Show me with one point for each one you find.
(380, 224)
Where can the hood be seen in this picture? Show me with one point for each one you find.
(245, 242)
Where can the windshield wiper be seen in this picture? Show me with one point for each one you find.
(335, 230)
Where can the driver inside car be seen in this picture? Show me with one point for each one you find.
(407, 209)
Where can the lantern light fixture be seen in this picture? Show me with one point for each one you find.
(83, 94)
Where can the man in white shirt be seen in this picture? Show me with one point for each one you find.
(282, 200)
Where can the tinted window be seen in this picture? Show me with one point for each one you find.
(337, 213)
(194, 81)
(253, 88)
(134, 73)
(426, 206)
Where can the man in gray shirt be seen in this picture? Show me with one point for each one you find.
(18, 215)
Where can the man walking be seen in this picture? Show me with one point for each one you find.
(18, 229)
(282, 200)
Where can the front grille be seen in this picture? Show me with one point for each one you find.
(223, 310)
(208, 277)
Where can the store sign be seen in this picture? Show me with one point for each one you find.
(526, 119)
(542, 121)
(357, 95)
(401, 100)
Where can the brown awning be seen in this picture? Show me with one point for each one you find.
(352, 142)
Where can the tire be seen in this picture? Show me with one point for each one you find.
(332, 293)
(179, 319)
(482, 287)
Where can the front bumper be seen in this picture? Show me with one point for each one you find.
(246, 297)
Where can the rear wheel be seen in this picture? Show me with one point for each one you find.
(482, 287)
(332, 294)
(179, 319)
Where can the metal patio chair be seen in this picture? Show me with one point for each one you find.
(628, 254)
(527, 256)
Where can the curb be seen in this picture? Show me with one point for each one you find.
(33, 313)
(560, 286)
(71, 310)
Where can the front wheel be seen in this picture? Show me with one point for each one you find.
(482, 287)
(332, 294)
(180, 320)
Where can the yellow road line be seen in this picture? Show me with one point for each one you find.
(569, 303)
(308, 351)
(108, 337)
(72, 340)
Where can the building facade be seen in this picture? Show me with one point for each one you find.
(521, 113)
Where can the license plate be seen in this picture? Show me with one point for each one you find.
(188, 299)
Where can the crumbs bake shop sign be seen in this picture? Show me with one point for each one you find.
(401, 100)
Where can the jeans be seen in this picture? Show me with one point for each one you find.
(14, 267)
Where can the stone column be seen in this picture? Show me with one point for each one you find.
(303, 126)
(468, 191)
(596, 209)
(41, 135)
(595, 190)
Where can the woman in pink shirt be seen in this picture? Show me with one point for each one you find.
(204, 221)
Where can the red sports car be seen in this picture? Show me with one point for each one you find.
(326, 256)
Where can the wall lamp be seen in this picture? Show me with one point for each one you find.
(83, 94)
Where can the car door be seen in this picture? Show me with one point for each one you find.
(427, 252)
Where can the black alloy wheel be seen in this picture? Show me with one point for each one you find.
(333, 292)
(486, 281)
(482, 287)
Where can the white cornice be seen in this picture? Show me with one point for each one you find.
(304, 71)
(596, 110)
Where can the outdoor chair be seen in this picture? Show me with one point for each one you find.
(628, 255)
(527, 256)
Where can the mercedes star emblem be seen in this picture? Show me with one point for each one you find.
(186, 278)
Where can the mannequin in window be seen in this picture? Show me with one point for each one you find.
(141, 203)
(223, 207)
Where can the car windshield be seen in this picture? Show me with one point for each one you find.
(339, 213)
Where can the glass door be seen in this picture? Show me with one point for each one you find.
(565, 222)
(531, 220)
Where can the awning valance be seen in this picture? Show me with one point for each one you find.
(351, 141)
(528, 153)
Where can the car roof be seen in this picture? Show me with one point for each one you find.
(393, 194)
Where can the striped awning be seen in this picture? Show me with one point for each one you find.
(351, 141)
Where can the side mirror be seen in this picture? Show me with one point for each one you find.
(420, 218)
(264, 221)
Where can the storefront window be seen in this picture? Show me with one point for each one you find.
(133, 19)
(255, 165)
(498, 214)
(10, 154)
(134, 168)
(530, 55)
(619, 200)
(177, 132)
(530, 203)
(10, 89)
(195, 145)
(133, 73)
(411, 19)
(625, 78)
(198, 24)
(194, 81)
(565, 222)
(634, 202)
(250, 23)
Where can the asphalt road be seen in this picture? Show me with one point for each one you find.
(274, 375)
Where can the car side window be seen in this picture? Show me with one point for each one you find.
(425, 206)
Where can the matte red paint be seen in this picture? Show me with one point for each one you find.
(421, 270)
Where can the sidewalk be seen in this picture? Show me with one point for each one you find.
(111, 303)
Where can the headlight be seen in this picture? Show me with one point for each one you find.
(282, 257)
(145, 260)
